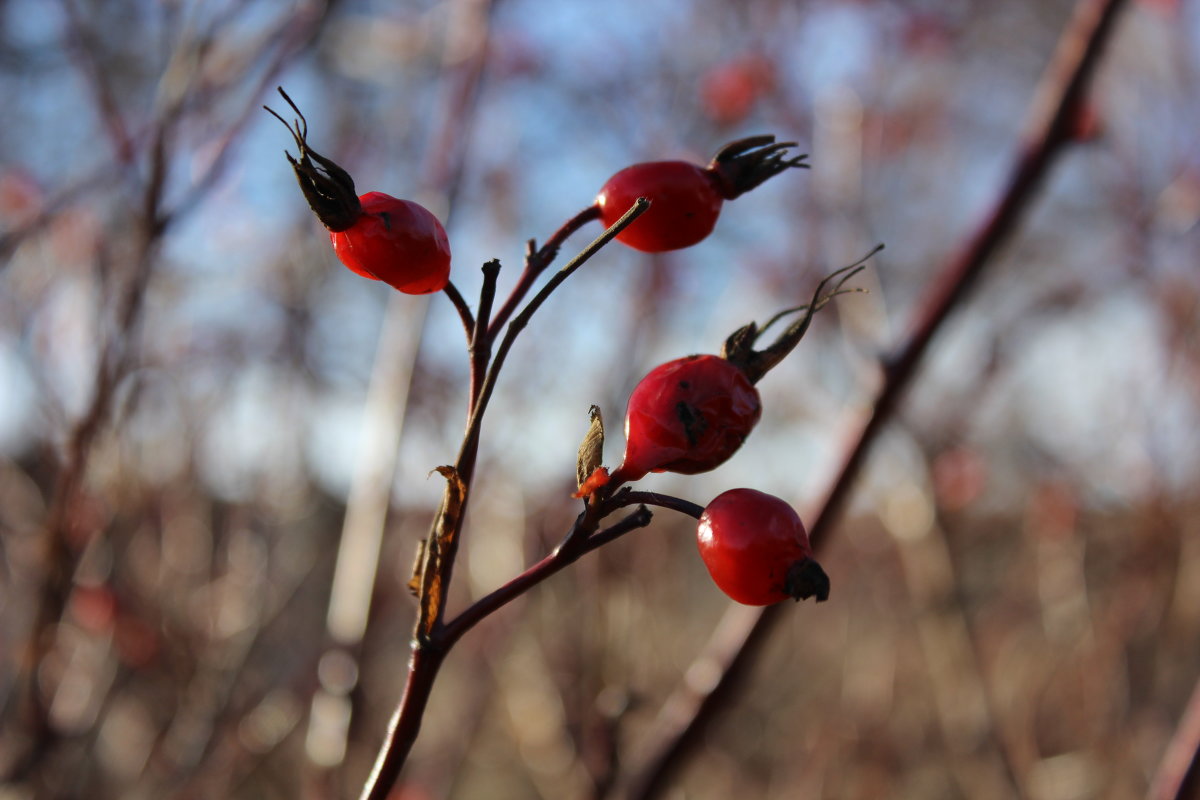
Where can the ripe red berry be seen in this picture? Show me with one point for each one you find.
(757, 551)
(376, 235)
(684, 204)
(689, 415)
(685, 199)
(398, 242)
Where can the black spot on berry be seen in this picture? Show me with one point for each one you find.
(694, 423)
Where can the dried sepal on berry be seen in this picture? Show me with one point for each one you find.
(739, 346)
(747, 163)
(327, 187)
(757, 550)
(687, 198)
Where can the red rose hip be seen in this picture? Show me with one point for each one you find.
(376, 235)
(688, 415)
(757, 551)
(395, 241)
(684, 204)
(685, 198)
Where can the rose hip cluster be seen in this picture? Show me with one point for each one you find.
(686, 416)
(690, 415)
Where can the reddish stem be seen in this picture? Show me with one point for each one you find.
(536, 261)
(460, 305)
(549, 565)
(406, 722)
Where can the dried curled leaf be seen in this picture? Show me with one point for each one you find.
(591, 450)
(418, 569)
(452, 503)
(444, 530)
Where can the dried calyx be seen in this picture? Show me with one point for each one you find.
(806, 579)
(742, 165)
(739, 347)
(328, 188)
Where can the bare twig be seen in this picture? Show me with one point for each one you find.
(366, 511)
(665, 501)
(464, 310)
(536, 261)
(551, 564)
(522, 319)
(1053, 110)
(481, 343)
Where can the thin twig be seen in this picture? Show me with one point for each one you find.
(60, 538)
(432, 642)
(471, 438)
(563, 556)
(664, 501)
(537, 259)
(522, 319)
(549, 565)
(481, 344)
(1053, 110)
(464, 310)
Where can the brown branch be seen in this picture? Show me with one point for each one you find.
(1178, 774)
(664, 501)
(564, 556)
(1052, 114)
(60, 540)
(465, 463)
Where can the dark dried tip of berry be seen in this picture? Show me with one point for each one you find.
(742, 165)
(739, 347)
(327, 187)
(806, 579)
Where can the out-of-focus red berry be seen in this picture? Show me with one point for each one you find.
(730, 90)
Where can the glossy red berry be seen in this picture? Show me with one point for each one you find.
(757, 551)
(376, 235)
(685, 199)
(689, 415)
(684, 204)
(398, 242)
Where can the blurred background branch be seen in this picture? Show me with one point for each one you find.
(192, 400)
